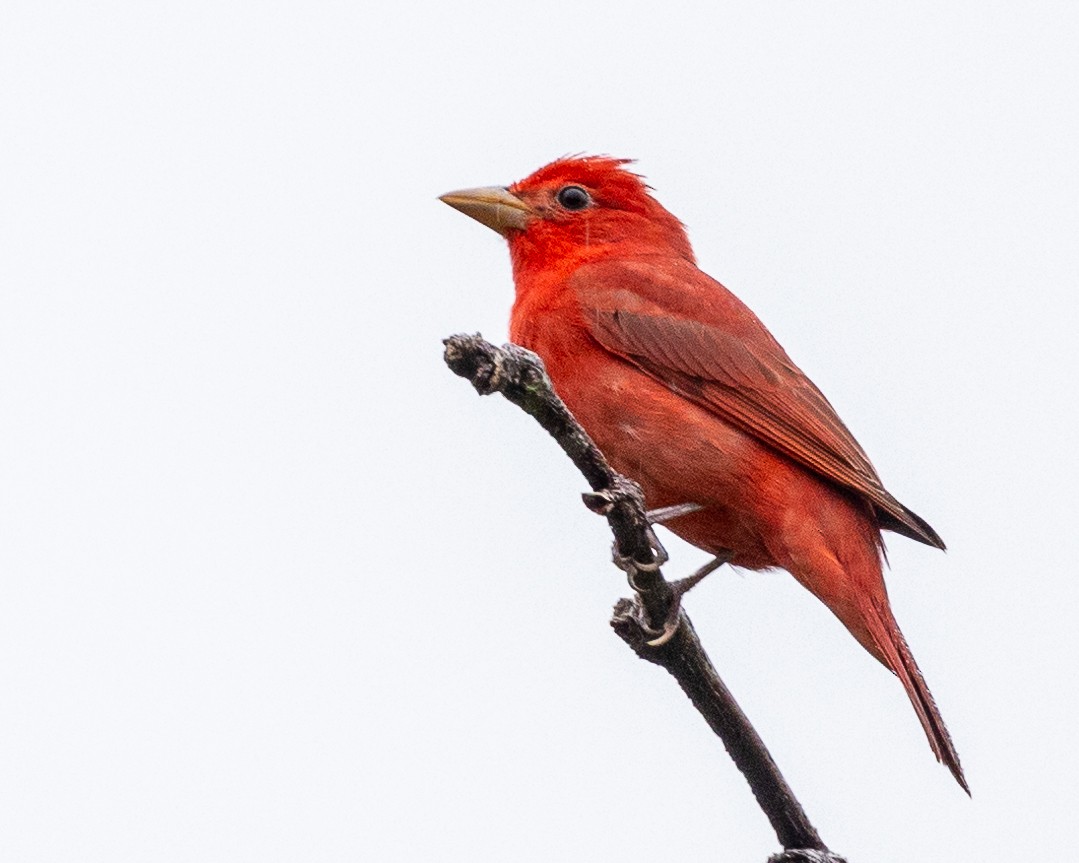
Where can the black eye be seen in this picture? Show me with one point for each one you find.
(574, 198)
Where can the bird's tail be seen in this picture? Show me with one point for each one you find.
(892, 650)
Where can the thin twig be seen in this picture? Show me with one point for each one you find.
(519, 376)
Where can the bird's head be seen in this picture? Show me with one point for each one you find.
(577, 206)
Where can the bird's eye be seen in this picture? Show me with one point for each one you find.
(574, 198)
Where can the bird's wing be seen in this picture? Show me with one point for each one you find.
(686, 330)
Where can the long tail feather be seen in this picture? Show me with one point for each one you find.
(897, 656)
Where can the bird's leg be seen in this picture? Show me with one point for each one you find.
(665, 513)
(679, 589)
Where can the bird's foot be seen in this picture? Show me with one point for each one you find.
(601, 503)
(679, 589)
(630, 565)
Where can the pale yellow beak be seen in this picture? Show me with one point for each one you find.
(492, 206)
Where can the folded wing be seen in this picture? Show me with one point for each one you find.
(685, 329)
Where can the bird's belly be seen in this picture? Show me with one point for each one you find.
(678, 452)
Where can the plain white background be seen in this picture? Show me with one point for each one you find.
(275, 585)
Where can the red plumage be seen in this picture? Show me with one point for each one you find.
(687, 392)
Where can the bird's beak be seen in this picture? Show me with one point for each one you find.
(492, 206)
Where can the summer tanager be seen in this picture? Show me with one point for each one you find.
(685, 391)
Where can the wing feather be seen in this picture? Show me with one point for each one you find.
(685, 329)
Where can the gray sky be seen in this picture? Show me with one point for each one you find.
(275, 585)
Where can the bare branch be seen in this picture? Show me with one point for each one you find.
(519, 376)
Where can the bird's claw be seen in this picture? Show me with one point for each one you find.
(657, 549)
(630, 565)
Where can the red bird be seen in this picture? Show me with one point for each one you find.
(685, 391)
